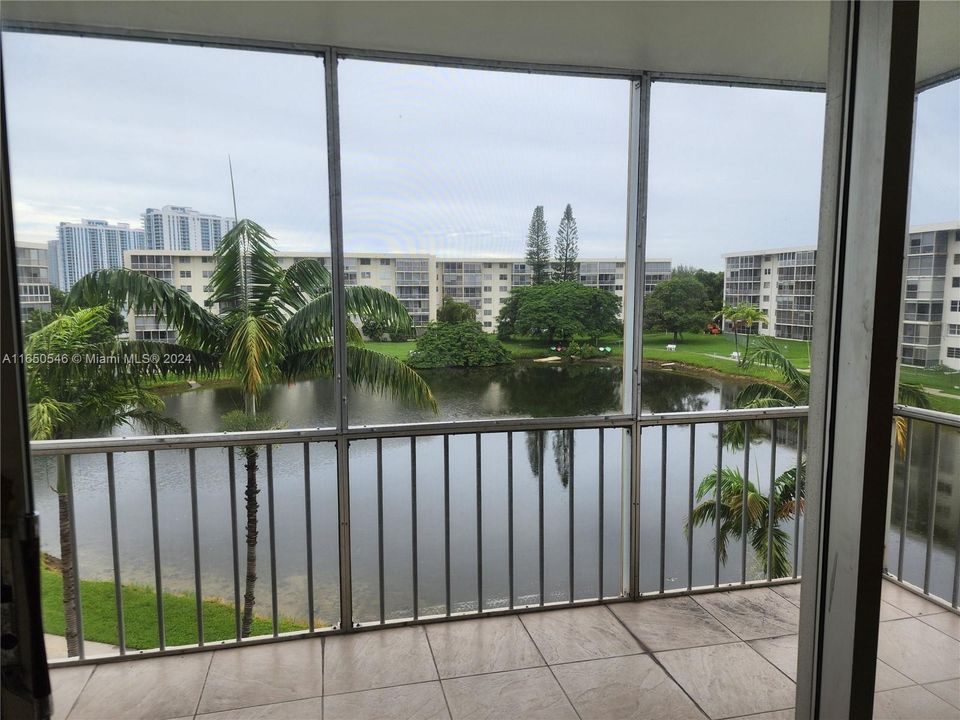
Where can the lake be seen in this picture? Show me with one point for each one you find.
(520, 390)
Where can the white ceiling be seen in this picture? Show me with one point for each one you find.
(751, 40)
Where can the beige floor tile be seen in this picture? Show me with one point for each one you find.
(891, 612)
(311, 709)
(671, 623)
(378, 658)
(729, 680)
(66, 684)
(56, 647)
(531, 694)
(579, 634)
(753, 614)
(948, 690)
(423, 701)
(776, 715)
(781, 652)
(157, 688)
(912, 703)
(945, 622)
(907, 601)
(626, 688)
(923, 654)
(262, 674)
(790, 592)
(469, 647)
(889, 679)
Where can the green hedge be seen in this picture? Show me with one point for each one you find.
(457, 345)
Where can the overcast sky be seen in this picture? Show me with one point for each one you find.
(434, 160)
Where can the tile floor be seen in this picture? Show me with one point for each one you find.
(721, 655)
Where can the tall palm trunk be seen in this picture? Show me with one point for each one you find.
(67, 563)
(249, 596)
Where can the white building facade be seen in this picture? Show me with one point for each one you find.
(176, 227)
(781, 283)
(33, 277)
(90, 245)
(419, 281)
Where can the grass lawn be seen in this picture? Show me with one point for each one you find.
(140, 615)
(713, 351)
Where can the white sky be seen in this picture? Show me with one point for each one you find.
(436, 160)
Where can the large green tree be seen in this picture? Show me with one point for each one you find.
(274, 324)
(567, 248)
(559, 312)
(676, 306)
(538, 248)
(84, 380)
(453, 311)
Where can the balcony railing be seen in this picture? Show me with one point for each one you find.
(449, 518)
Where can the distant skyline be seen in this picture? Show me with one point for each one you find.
(438, 160)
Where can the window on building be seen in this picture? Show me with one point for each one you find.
(364, 261)
(953, 352)
(953, 329)
(185, 273)
(955, 282)
(187, 288)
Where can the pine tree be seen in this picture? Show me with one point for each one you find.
(538, 248)
(567, 248)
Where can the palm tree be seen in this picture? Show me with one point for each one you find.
(731, 313)
(274, 325)
(792, 390)
(786, 502)
(96, 388)
(751, 316)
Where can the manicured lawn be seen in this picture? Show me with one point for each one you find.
(713, 351)
(140, 615)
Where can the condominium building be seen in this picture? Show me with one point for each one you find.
(781, 283)
(175, 228)
(90, 245)
(33, 277)
(419, 281)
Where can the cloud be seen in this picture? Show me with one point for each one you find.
(433, 159)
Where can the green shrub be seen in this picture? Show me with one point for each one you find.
(399, 334)
(373, 329)
(457, 345)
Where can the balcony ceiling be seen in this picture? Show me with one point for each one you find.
(750, 40)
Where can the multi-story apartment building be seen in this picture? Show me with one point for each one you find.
(90, 245)
(419, 281)
(175, 228)
(33, 277)
(781, 283)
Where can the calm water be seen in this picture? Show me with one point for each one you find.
(515, 391)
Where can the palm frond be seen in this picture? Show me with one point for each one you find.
(254, 343)
(47, 415)
(913, 394)
(377, 372)
(247, 272)
(304, 280)
(143, 294)
(766, 353)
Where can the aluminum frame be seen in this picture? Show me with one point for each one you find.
(863, 220)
